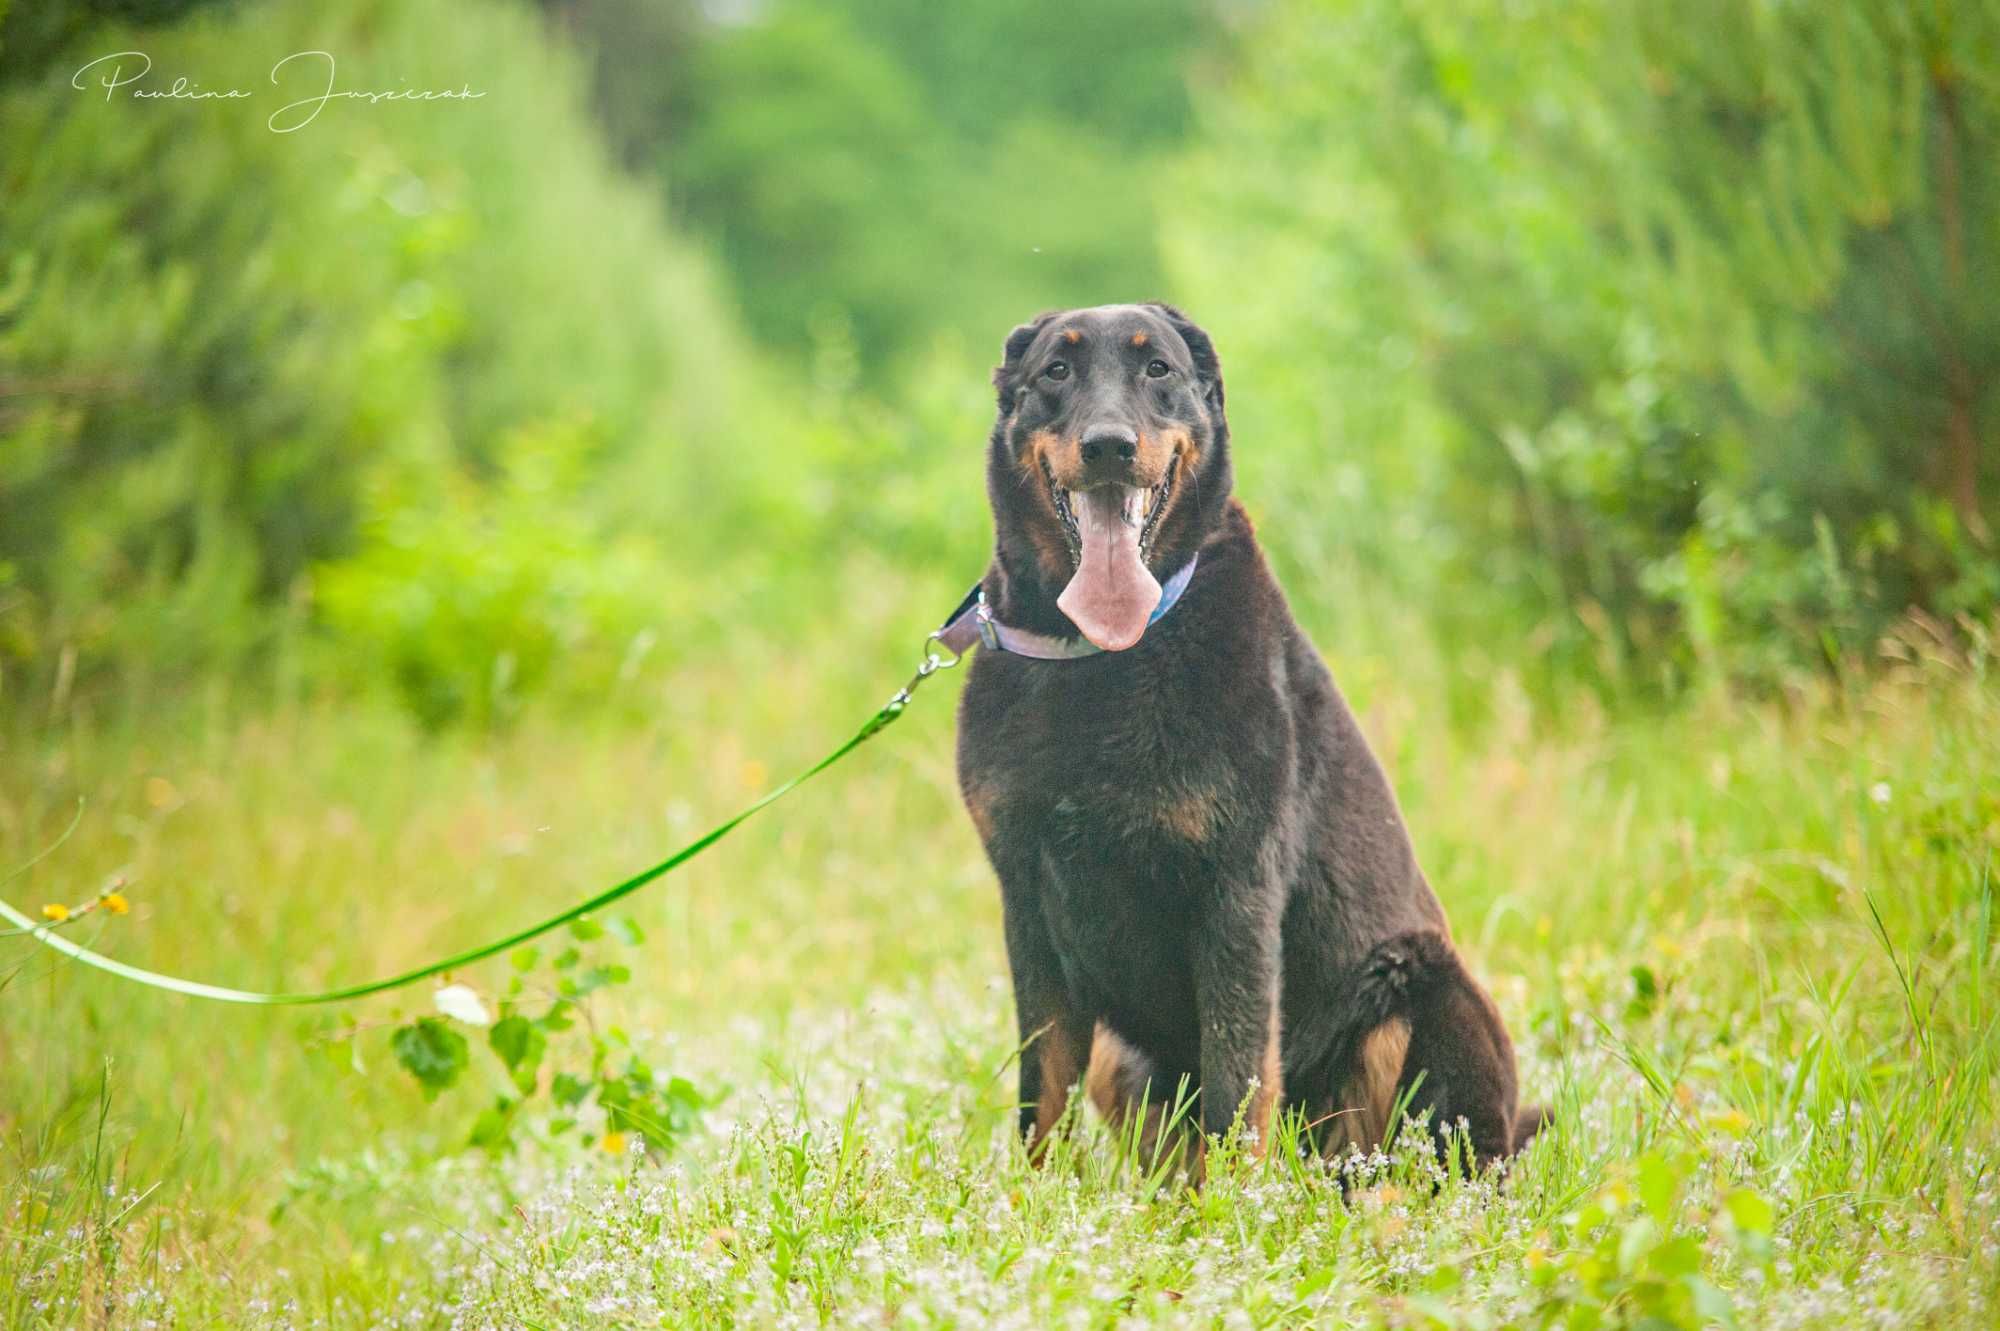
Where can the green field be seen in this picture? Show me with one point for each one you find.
(1746, 950)
(418, 520)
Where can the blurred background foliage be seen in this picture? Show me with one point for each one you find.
(1632, 347)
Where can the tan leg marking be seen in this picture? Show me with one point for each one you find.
(1060, 1069)
(1270, 1089)
(1361, 1110)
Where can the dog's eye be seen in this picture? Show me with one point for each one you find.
(1058, 370)
(1157, 369)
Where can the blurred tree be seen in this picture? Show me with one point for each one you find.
(637, 51)
(32, 34)
(213, 337)
(1669, 324)
(889, 171)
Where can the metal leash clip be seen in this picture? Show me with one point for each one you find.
(932, 663)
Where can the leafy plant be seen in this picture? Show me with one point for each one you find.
(1643, 1252)
(548, 1046)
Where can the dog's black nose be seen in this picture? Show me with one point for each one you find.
(1110, 441)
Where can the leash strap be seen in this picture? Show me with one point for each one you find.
(971, 623)
(874, 725)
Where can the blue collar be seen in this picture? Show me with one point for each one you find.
(973, 622)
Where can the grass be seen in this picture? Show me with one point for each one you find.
(1746, 950)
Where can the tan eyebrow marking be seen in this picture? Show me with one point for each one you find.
(1071, 336)
(1138, 339)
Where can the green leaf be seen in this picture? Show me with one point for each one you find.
(493, 1130)
(567, 958)
(584, 929)
(433, 1053)
(524, 958)
(1711, 1303)
(1659, 1180)
(597, 977)
(520, 1045)
(1645, 991)
(614, 1093)
(628, 930)
(567, 1090)
(1635, 1242)
(1677, 1257)
(1751, 1212)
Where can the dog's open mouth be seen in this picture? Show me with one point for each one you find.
(1112, 594)
(1153, 507)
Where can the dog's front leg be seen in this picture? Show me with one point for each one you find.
(1236, 972)
(1055, 1037)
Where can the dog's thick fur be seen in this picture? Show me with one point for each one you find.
(1203, 868)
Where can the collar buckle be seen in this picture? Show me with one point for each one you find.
(989, 635)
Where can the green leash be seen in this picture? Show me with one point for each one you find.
(874, 725)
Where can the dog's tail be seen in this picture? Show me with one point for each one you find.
(1392, 979)
(1401, 973)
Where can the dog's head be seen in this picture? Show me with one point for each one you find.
(1109, 461)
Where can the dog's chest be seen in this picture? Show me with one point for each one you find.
(1120, 804)
(1124, 768)
(1121, 892)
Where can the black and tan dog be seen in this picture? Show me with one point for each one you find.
(1206, 878)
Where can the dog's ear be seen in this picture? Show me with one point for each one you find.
(1017, 346)
(1207, 366)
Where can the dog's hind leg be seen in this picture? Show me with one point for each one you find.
(1458, 1063)
(1358, 1114)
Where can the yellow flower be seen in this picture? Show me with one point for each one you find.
(116, 903)
(1732, 1121)
(613, 1143)
(55, 911)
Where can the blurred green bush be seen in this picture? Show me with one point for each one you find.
(470, 594)
(1630, 346)
(222, 348)
(1659, 338)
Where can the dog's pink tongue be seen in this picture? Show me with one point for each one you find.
(1113, 594)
